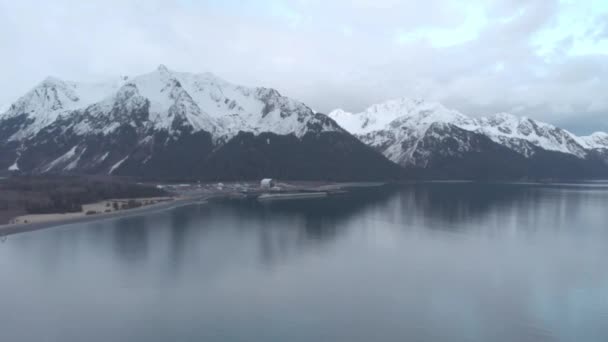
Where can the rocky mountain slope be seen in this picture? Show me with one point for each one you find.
(168, 124)
(439, 142)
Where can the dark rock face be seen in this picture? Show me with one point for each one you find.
(13, 125)
(187, 155)
(454, 153)
(166, 157)
(323, 156)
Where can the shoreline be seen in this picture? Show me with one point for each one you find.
(11, 229)
(184, 200)
(194, 198)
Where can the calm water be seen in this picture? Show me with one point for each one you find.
(427, 262)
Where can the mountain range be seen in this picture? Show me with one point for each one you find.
(430, 140)
(176, 125)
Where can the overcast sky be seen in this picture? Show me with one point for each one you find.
(544, 59)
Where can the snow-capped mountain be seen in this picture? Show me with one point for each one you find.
(203, 101)
(420, 134)
(175, 124)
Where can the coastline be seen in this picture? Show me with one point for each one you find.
(188, 199)
(11, 229)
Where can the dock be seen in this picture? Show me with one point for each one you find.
(291, 196)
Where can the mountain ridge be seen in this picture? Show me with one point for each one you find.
(170, 124)
(166, 124)
(404, 130)
(234, 108)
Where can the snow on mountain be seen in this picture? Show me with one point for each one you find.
(380, 116)
(397, 127)
(237, 108)
(169, 99)
(597, 140)
(176, 124)
(202, 102)
(519, 133)
(53, 98)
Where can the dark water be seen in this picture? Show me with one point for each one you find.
(427, 262)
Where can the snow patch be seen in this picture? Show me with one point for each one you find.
(15, 166)
(597, 140)
(62, 159)
(117, 165)
(72, 165)
(103, 157)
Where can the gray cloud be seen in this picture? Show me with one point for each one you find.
(346, 54)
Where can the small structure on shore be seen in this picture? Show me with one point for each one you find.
(267, 183)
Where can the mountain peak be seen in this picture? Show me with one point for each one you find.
(598, 140)
(162, 68)
(379, 116)
(50, 81)
(504, 116)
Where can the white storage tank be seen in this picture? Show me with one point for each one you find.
(267, 183)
